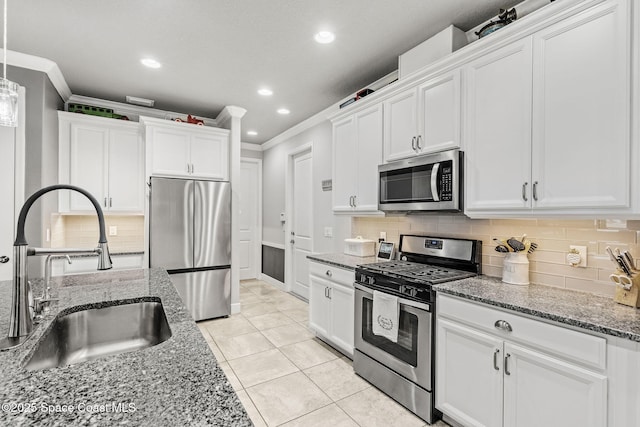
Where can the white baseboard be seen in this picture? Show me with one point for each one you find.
(235, 308)
(274, 282)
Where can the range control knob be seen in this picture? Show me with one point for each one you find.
(371, 280)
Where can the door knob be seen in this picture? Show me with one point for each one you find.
(292, 241)
(4, 259)
(293, 233)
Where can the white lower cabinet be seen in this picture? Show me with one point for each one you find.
(331, 305)
(507, 378)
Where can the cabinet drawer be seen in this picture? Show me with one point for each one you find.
(576, 346)
(332, 273)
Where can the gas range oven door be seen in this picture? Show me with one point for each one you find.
(411, 356)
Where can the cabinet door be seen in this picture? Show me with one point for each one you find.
(497, 130)
(468, 375)
(169, 150)
(344, 164)
(342, 317)
(369, 156)
(209, 157)
(319, 307)
(126, 178)
(439, 113)
(581, 142)
(401, 125)
(88, 165)
(539, 390)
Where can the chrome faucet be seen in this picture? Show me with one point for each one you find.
(21, 321)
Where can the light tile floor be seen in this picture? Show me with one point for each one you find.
(284, 376)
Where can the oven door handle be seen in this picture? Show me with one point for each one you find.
(369, 293)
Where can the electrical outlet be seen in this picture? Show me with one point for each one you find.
(577, 256)
(113, 230)
(383, 235)
(328, 232)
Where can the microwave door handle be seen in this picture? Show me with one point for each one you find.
(434, 182)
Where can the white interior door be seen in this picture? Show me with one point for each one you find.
(249, 218)
(301, 239)
(7, 220)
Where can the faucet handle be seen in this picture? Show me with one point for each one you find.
(4, 259)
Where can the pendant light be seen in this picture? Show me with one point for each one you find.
(8, 89)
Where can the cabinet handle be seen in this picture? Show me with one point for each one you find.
(504, 325)
(495, 359)
(418, 142)
(535, 191)
(110, 202)
(192, 168)
(413, 143)
(326, 292)
(105, 202)
(506, 364)
(329, 293)
(524, 191)
(354, 202)
(328, 273)
(4, 259)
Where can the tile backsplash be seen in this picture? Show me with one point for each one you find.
(81, 231)
(548, 265)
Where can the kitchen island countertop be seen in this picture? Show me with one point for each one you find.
(580, 309)
(177, 382)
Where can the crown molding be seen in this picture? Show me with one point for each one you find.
(251, 147)
(36, 63)
(229, 112)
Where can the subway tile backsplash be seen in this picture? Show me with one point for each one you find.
(548, 264)
(81, 231)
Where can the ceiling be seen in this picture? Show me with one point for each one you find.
(220, 52)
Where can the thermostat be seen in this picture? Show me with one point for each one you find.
(385, 252)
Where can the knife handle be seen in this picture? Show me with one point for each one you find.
(623, 266)
(629, 259)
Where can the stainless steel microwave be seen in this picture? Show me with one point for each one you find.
(432, 182)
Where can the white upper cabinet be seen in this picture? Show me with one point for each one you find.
(423, 119)
(581, 111)
(548, 119)
(106, 158)
(186, 150)
(439, 113)
(498, 129)
(357, 152)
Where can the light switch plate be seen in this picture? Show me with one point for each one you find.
(328, 232)
(113, 230)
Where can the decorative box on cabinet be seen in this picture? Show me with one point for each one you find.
(496, 368)
(105, 157)
(423, 119)
(547, 128)
(186, 150)
(357, 152)
(331, 305)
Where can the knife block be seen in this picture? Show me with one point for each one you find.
(630, 297)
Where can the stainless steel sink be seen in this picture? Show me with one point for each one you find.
(89, 334)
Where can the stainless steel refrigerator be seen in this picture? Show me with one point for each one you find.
(190, 236)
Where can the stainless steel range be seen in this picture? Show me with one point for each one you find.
(403, 368)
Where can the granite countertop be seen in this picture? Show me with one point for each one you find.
(177, 382)
(584, 310)
(349, 262)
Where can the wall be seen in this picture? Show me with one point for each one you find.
(274, 171)
(41, 152)
(553, 236)
(251, 154)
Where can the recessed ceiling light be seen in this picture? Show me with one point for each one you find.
(325, 37)
(265, 92)
(151, 63)
(283, 111)
(252, 133)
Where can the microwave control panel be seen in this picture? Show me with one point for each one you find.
(446, 181)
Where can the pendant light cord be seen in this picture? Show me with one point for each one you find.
(4, 48)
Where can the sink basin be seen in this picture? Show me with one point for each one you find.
(89, 334)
